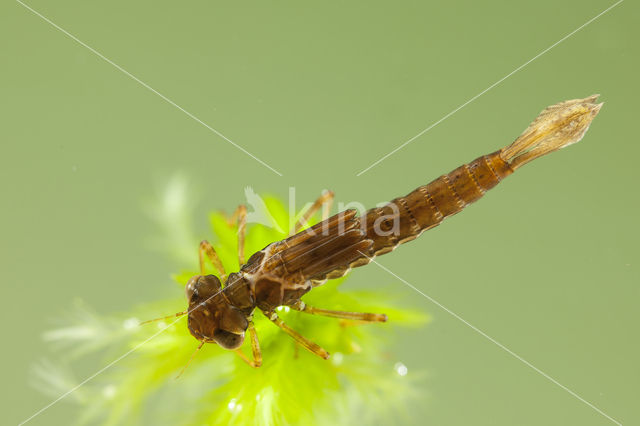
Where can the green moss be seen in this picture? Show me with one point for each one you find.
(360, 382)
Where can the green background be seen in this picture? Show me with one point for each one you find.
(547, 263)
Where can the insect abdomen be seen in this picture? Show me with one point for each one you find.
(405, 218)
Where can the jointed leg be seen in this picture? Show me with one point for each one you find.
(207, 248)
(242, 226)
(326, 206)
(255, 349)
(255, 345)
(356, 316)
(239, 217)
(325, 200)
(303, 341)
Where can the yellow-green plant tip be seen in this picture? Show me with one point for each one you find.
(359, 383)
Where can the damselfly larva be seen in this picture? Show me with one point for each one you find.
(282, 272)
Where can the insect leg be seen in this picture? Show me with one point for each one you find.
(303, 341)
(325, 201)
(207, 248)
(242, 225)
(255, 346)
(239, 217)
(255, 349)
(356, 316)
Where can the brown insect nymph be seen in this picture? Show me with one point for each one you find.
(282, 272)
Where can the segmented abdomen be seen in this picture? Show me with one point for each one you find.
(405, 218)
(331, 248)
(381, 229)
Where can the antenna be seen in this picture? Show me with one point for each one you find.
(179, 314)
(193, 355)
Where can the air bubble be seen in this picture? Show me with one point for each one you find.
(130, 323)
(401, 369)
(233, 406)
(109, 391)
(337, 358)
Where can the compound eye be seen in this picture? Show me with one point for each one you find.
(203, 287)
(233, 321)
(228, 340)
(208, 286)
(190, 288)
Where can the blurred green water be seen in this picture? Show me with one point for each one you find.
(546, 264)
